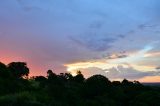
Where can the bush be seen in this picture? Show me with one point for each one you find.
(19, 99)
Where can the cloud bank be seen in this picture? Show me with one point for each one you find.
(119, 72)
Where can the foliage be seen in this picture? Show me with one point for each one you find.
(67, 90)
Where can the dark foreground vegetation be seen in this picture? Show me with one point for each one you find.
(16, 89)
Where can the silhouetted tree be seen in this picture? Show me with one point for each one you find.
(69, 76)
(116, 83)
(40, 78)
(126, 82)
(51, 75)
(18, 69)
(79, 77)
(65, 76)
(137, 83)
(4, 73)
(96, 85)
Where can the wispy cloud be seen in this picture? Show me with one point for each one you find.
(116, 56)
(26, 7)
(145, 26)
(94, 43)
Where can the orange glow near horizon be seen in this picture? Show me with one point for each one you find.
(35, 69)
(14, 58)
(150, 79)
(34, 73)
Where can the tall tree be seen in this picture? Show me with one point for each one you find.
(96, 85)
(18, 69)
(79, 77)
(4, 73)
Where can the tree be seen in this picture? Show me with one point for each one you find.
(51, 75)
(18, 69)
(116, 83)
(4, 73)
(79, 77)
(66, 76)
(40, 78)
(125, 82)
(96, 85)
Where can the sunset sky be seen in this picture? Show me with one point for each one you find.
(116, 38)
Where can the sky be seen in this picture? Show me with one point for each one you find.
(115, 38)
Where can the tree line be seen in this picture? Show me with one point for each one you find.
(17, 89)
